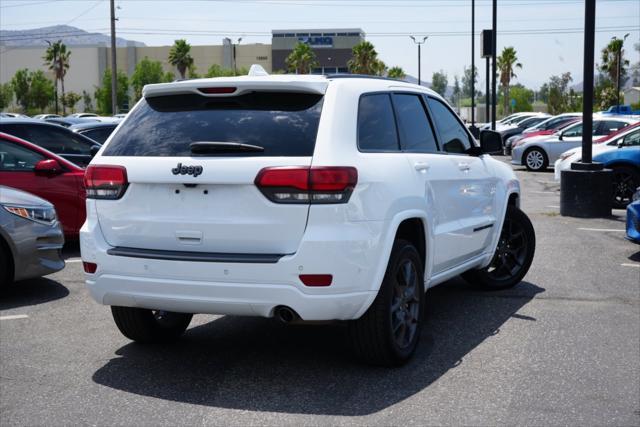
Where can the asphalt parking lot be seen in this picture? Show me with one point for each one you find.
(562, 347)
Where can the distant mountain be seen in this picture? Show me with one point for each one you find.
(71, 36)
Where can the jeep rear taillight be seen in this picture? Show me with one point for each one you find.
(292, 184)
(105, 182)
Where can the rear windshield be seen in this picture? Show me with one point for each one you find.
(284, 124)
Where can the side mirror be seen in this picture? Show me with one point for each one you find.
(560, 136)
(94, 150)
(490, 142)
(47, 167)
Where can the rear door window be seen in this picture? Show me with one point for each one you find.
(284, 124)
(415, 129)
(376, 124)
(99, 134)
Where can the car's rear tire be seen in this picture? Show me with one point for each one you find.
(513, 256)
(387, 334)
(535, 160)
(625, 181)
(150, 326)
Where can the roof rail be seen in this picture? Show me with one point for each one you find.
(361, 76)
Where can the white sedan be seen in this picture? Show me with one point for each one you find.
(537, 153)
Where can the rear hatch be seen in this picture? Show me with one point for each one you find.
(202, 197)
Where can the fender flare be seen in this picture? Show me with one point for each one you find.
(387, 245)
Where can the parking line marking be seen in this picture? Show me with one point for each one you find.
(14, 316)
(544, 192)
(630, 265)
(73, 260)
(555, 207)
(600, 229)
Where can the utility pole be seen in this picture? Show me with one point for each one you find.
(473, 66)
(419, 43)
(619, 71)
(494, 37)
(114, 71)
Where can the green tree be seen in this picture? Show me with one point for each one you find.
(609, 61)
(168, 77)
(103, 93)
(466, 82)
(457, 91)
(506, 63)
(86, 100)
(364, 59)
(557, 93)
(192, 72)
(6, 95)
(302, 59)
(523, 98)
(180, 56)
(439, 82)
(70, 99)
(217, 71)
(21, 82)
(396, 73)
(41, 91)
(635, 68)
(146, 72)
(57, 58)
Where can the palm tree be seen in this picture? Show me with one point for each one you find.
(364, 60)
(507, 62)
(302, 59)
(180, 56)
(57, 59)
(610, 60)
(396, 73)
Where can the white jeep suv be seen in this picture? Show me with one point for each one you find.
(306, 198)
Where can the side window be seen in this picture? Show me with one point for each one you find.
(415, 129)
(453, 136)
(575, 130)
(59, 141)
(16, 130)
(99, 134)
(632, 139)
(609, 126)
(376, 124)
(16, 158)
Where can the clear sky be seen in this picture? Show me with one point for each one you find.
(545, 33)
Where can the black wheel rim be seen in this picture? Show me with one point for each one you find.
(405, 304)
(511, 252)
(623, 188)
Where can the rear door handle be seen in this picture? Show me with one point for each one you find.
(463, 166)
(421, 166)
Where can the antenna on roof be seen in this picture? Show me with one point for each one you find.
(257, 70)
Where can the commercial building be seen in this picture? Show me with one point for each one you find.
(332, 47)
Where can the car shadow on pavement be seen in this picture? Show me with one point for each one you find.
(261, 365)
(31, 292)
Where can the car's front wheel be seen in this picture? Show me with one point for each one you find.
(513, 256)
(387, 333)
(150, 326)
(535, 160)
(625, 181)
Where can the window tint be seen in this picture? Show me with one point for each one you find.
(415, 129)
(284, 124)
(453, 136)
(16, 158)
(632, 139)
(376, 124)
(99, 134)
(51, 137)
(609, 126)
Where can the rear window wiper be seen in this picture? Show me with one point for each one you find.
(208, 147)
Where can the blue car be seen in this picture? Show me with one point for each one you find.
(625, 163)
(633, 218)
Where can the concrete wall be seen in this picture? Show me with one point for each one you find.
(87, 64)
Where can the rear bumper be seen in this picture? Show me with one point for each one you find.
(351, 252)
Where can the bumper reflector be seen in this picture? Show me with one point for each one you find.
(89, 267)
(316, 279)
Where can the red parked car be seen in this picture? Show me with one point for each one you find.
(33, 169)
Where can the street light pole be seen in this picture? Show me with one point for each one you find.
(114, 72)
(494, 43)
(419, 43)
